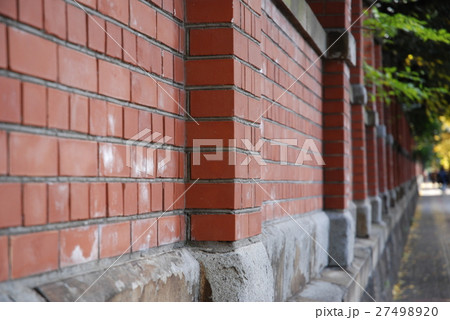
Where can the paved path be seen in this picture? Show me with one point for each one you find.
(425, 269)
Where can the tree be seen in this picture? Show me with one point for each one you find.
(416, 41)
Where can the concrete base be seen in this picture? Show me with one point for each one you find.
(170, 276)
(352, 209)
(386, 199)
(374, 268)
(377, 208)
(342, 238)
(392, 198)
(243, 274)
(297, 250)
(363, 218)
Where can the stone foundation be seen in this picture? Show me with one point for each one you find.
(376, 259)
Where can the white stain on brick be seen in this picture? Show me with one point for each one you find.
(78, 256)
(112, 162)
(60, 201)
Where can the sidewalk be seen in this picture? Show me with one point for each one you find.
(424, 273)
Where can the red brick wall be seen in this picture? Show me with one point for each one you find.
(291, 110)
(71, 99)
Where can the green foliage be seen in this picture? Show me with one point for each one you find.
(416, 41)
(406, 86)
(387, 27)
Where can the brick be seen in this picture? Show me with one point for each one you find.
(129, 47)
(254, 224)
(3, 152)
(145, 120)
(4, 258)
(157, 124)
(168, 31)
(9, 8)
(209, 11)
(157, 2)
(3, 47)
(115, 122)
(58, 202)
(143, 18)
(178, 69)
(130, 199)
(79, 113)
(144, 198)
(179, 132)
(76, 25)
(113, 40)
(247, 195)
(77, 69)
(168, 189)
(143, 90)
(32, 55)
(148, 56)
(58, 109)
(97, 201)
(216, 169)
(34, 104)
(144, 234)
(169, 230)
(10, 205)
(79, 201)
(117, 9)
(178, 9)
(131, 122)
(114, 239)
(34, 203)
(114, 81)
(167, 65)
(179, 196)
(169, 129)
(210, 72)
(241, 228)
(115, 199)
(168, 6)
(157, 196)
(10, 100)
(202, 100)
(77, 158)
(138, 160)
(167, 163)
(55, 18)
(78, 245)
(34, 253)
(220, 227)
(89, 3)
(98, 121)
(96, 33)
(181, 162)
(113, 160)
(168, 98)
(212, 196)
(33, 155)
(211, 130)
(30, 12)
(220, 41)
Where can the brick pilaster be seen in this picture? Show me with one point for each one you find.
(223, 81)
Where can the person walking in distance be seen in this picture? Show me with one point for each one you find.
(443, 179)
